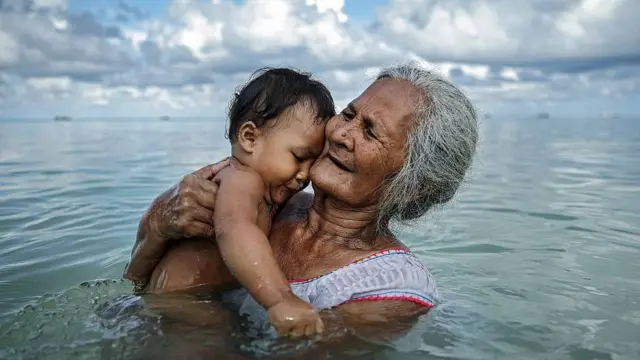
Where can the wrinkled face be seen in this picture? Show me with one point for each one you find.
(366, 142)
(285, 152)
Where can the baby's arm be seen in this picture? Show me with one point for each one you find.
(246, 251)
(244, 246)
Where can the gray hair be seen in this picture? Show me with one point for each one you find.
(439, 150)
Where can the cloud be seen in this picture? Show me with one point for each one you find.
(189, 61)
(26, 6)
(546, 33)
(236, 38)
(45, 42)
(126, 13)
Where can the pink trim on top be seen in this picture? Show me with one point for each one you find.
(274, 209)
(372, 256)
(392, 297)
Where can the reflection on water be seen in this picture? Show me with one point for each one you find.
(536, 258)
(76, 322)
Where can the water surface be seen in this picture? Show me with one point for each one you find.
(536, 258)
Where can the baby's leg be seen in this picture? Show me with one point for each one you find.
(191, 265)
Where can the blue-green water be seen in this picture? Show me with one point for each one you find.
(538, 256)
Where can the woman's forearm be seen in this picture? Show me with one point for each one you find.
(185, 307)
(183, 211)
(147, 251)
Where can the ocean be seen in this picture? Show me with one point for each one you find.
(536, 258)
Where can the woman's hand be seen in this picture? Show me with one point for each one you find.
(186, 209)
(183, 211)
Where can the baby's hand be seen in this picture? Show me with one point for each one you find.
(294, 317)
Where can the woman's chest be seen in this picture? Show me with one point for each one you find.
(300, 266)
(303, 258)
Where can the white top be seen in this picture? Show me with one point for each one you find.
(394, 274)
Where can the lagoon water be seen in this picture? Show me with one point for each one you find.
(537, 258)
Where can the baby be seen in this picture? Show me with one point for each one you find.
(276, 131)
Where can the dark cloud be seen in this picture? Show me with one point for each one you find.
(28, 6)
(553, 6)
(574, 66)
(9, 89)
(86, 24)
(174, 55)
(461, 78)
(82, 49)
(127, 12)
(121, 12)
(15, 5)
(148, 75)
(95, 48)
(19, 6)
(151, 52)
(556, 35)
(5, 89)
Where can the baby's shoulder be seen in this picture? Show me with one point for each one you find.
(240, 178)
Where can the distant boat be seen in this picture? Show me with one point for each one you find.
(543, 115)
(487, 116)
(61, 118)
(164, 118)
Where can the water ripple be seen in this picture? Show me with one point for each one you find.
(536, 257)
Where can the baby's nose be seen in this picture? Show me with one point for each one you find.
(302, 175)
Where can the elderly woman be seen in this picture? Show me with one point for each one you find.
(400, 148)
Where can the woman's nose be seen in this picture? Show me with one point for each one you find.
(341, 132)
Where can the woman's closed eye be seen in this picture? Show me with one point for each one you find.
(368, 129)
(369, 133)
(347, 114)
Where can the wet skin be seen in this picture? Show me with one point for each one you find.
(314, 234)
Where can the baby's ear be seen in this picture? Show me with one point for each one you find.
(247, 135)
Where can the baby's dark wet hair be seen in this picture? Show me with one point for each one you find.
(272, 91)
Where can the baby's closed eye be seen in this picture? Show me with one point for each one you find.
(302, 155)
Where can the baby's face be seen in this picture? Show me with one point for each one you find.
(284, 154)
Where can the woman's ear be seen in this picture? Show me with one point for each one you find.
(247, 136)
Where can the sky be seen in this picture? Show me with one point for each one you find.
(119, 58)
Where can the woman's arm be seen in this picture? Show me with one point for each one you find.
(191, 266)
(183, 211)
(187, 309)
(379, 319)
(363, 326)
(147, 251)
